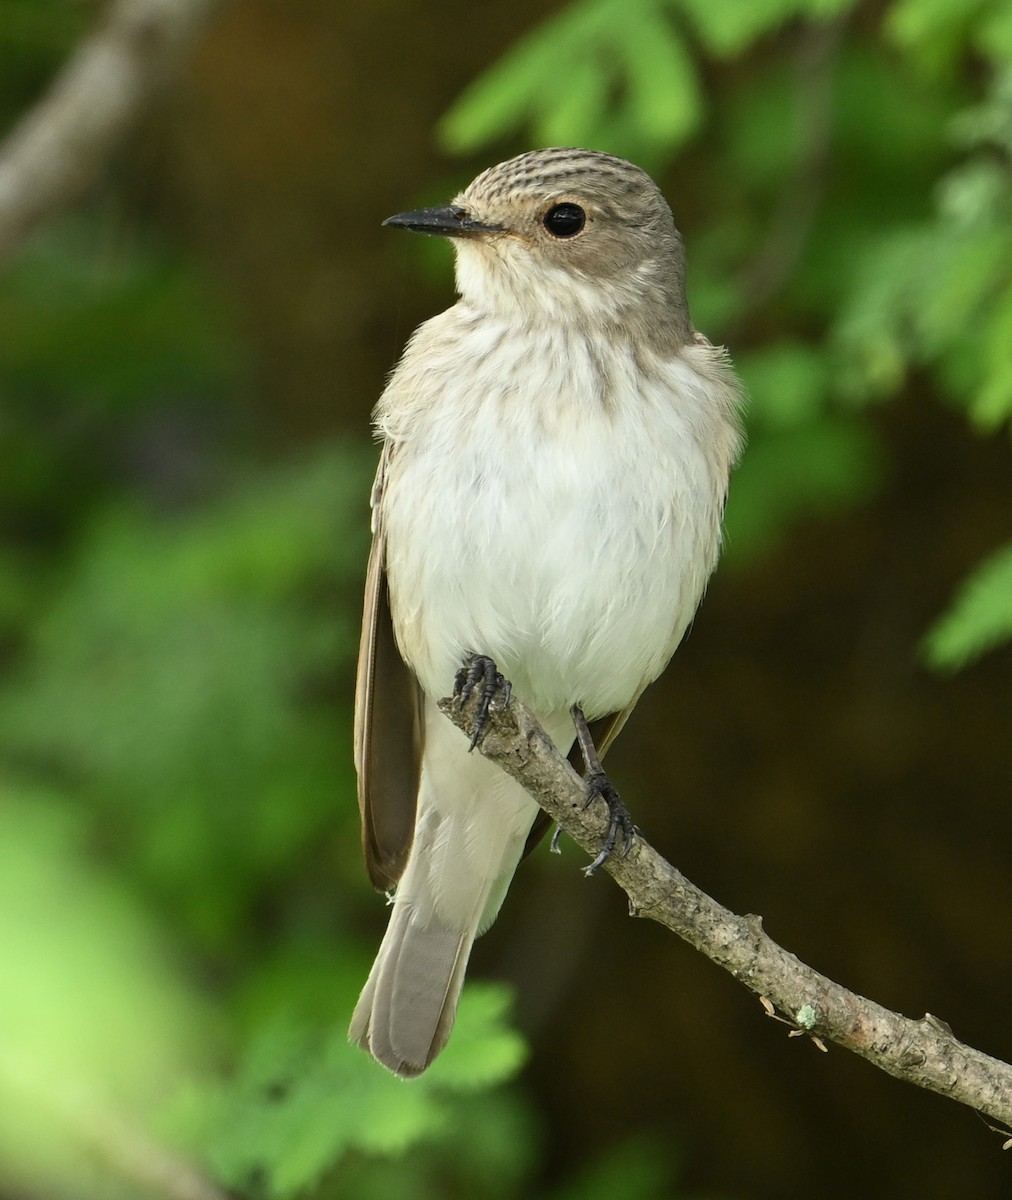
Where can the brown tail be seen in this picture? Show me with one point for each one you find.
(405, 1013)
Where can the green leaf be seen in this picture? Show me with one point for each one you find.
(871, 334)
(728, 28)
(303, 1098)
(559, 79)
(663, 102)
(575, 115)
(994, 33)
(974, 194)
(300, 1101)
(979, 618)
(499, 100)
(484, 1049)
(932, 32)
(954, 285)
(525, 82)
(927, 296)
(731, 26)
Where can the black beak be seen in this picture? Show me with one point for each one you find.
(449, 221)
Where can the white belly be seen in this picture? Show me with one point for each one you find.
(567, 535)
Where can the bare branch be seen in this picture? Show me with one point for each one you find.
(923, 1052)
(60, 147)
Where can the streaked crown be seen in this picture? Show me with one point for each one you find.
(558, 170)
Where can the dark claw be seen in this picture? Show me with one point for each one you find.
(480, 671)
(619, 821)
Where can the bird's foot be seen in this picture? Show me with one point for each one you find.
(599, 785)
(620, 824)
(479, 673)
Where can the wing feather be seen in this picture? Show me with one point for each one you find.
(387, 726)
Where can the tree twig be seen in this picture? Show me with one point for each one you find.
(60, 147)
(923, 1052)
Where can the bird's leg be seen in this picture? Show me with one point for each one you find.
(479, 671)
(599, 785)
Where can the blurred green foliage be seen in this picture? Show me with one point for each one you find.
(95, 1015)
(303, 1099)
(35, 36)
(980, 617)
(179, 879)
(629, 69)
(179, 661)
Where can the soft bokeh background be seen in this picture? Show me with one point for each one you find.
(187, 365)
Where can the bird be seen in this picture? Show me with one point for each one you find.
(556, 449)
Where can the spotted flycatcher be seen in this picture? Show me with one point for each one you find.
(556, 455)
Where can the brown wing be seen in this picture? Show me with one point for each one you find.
(387, 726)
(603, 732)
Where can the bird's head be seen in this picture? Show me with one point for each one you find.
(566, 235)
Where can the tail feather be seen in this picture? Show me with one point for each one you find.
(405, 1013)
(471, 825)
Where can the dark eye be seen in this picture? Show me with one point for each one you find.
(565, 220)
